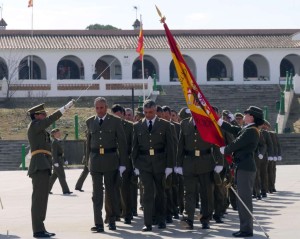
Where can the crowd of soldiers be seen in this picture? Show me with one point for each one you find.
(161, 153)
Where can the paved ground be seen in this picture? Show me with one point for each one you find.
(72, 216)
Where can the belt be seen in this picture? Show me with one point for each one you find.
(152, 151)
(40, 151)
(197, 152)
(104, 151)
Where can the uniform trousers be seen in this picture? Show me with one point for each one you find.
(82, 177)
(59, 172)
(39, 199)
(109, 179)
(264, 175)
(154, 195)
(245, 183)
(257, 182)
(206, 189)
(125, 190)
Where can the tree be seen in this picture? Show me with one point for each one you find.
(99, 26)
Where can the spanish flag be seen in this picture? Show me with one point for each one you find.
(30, 3)
(140, 47)
(204, 116)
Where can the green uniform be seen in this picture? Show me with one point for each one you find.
(243, 148)
(152, 153)
(198, 160)
(107, 150)
(58, 172)
(40, 168)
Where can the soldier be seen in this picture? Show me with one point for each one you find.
(196, 161)
(172, 190)
(58, 161)
(125, 187)
(266, 159)
(184, 113)
(272, 164)
(243, 148)
(152, 157)
(40, 165)
(107, 151)
(129, 114)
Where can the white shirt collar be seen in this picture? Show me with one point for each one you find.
(103, 118)
(247, 125)
(153, 120)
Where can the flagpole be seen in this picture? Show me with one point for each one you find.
(143, 71)
(31, 57)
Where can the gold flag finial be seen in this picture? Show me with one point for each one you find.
(162, 18)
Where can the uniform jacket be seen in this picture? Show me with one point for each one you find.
(190, 140)
(39, 138)
(57, 152)
(128, 129)
(269, 144)
(110, 135)
(243, 146)
(161, 137)
(276, 145)
(261, 146)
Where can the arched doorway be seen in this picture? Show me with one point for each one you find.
(70, 67)
(108, 67)
(190, 63)
(219, 68)
(256, 67)
(3, 69)
(150, 68)
(32, 67)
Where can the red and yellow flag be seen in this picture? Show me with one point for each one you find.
(202, 112)
(140, 47)
(30, 3)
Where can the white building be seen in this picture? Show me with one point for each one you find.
(105, 62)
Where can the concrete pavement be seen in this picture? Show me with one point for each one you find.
(72, 216)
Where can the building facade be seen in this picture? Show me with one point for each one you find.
(104, 62)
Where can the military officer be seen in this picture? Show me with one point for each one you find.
(243, 148)
(153, 157)
(125, 187)
(267, 157)
(58, 162)
(40, 165)
(107, 150)
(196, 161)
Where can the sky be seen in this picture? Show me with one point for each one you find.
(180, 14)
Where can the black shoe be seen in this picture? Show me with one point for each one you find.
(258, 197)
(147, 228)
(188, 224)
(205, 226)
(50, 192)
(78, 189)
(218, 219)
(142, 208)
(161, 225)
(274, 190)
(67, 193)
(134, 214)
(112, 226)
(98, 228)
(234, 208)
(242, 234)
(169, 219)
(264, 195)
(176, 216)
(127, 221)
(118, 219)
(43, 234)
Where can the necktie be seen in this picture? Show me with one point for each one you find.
(100, 122)
(150, 125)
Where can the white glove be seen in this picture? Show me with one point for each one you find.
(220, 121)
(122, 169)
(67, 106)
(270, 158)
(279, 158)
(66, 162)
(168, 171)
(56, 165)
(275, 158)
(231, 116)
(222, 149)
(218, 168)
(260, 156)
(178, 170)
(136, 171)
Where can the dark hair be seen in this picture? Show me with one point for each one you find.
(149, 104)
(159, 108)
(166, 109)
(118, 108)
